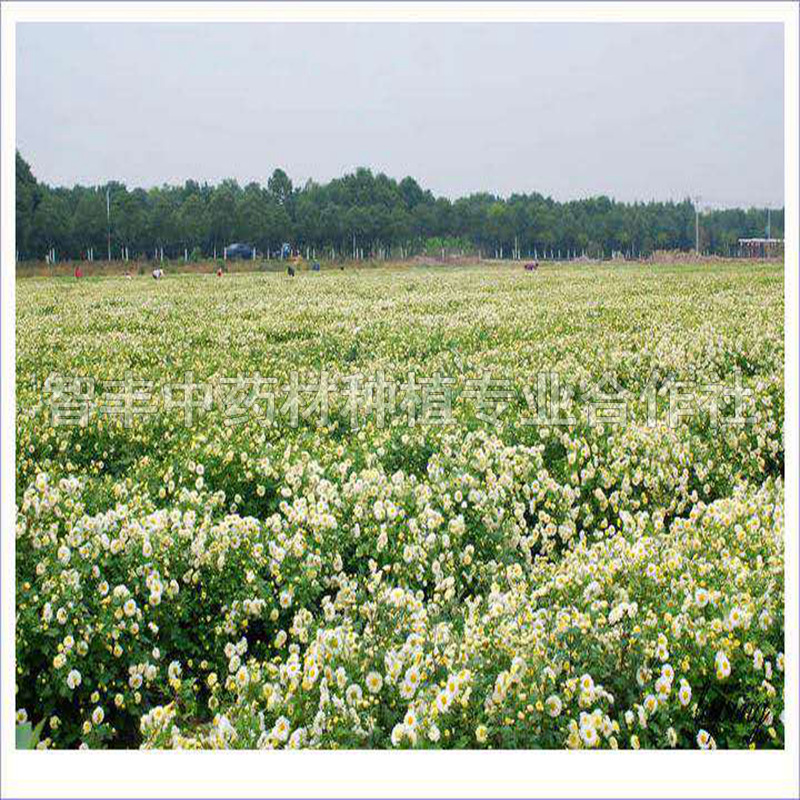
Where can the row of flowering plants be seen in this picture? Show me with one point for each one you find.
(483, 583)
(237, 631)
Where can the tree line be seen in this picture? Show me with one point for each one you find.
(361, 214)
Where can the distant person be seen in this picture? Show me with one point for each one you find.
(158, 273)
(219, 272)
(78, 271)
(290, 271)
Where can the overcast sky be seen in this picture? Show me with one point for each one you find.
(570, 110)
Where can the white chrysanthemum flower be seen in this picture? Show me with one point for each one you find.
(374, 682)
(553, 705)
(280, 729)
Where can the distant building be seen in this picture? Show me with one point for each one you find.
(760, 248)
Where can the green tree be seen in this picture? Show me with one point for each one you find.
(89, 222)
(50, 225)
(28, 197)
(378, 210)
(193, 222)
(279, 186)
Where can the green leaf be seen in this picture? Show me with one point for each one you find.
(24, 736)
(27, 737)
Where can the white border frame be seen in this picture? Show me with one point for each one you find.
(399, 774)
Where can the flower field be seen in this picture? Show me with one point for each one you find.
(408, 508)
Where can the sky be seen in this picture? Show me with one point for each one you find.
(633, 111)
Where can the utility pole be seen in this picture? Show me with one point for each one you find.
(108, 220)
(769, 221)
(697, 225)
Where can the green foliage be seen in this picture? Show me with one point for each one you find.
(27, 737)
(383, 215)
(483, 582)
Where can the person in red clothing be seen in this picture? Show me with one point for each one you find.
(78, 271)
